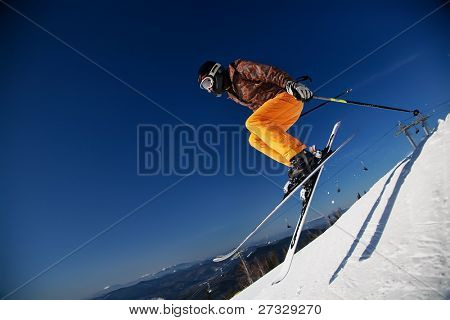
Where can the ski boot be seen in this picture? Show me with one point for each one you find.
(302, 165)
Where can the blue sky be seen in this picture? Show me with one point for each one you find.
(68, 128)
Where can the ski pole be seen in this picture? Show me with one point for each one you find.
(324, 103)
(363, 104)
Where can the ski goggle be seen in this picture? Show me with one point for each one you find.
(207, 82)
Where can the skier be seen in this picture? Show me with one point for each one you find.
(276, 101)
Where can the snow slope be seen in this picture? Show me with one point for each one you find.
(394, 243)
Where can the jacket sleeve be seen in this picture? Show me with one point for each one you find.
(261, 72)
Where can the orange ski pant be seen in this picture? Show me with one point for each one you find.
(268, 126)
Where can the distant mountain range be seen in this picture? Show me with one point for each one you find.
(210, 280)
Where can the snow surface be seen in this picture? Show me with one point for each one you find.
(393, 243)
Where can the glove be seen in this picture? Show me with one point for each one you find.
(299, 91)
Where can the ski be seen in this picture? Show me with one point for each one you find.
(309, 193)
(330, 140)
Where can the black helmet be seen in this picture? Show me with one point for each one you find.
(211, 77)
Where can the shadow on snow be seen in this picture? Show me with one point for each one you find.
(370, 248)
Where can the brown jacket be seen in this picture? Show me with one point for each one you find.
(252, 83)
